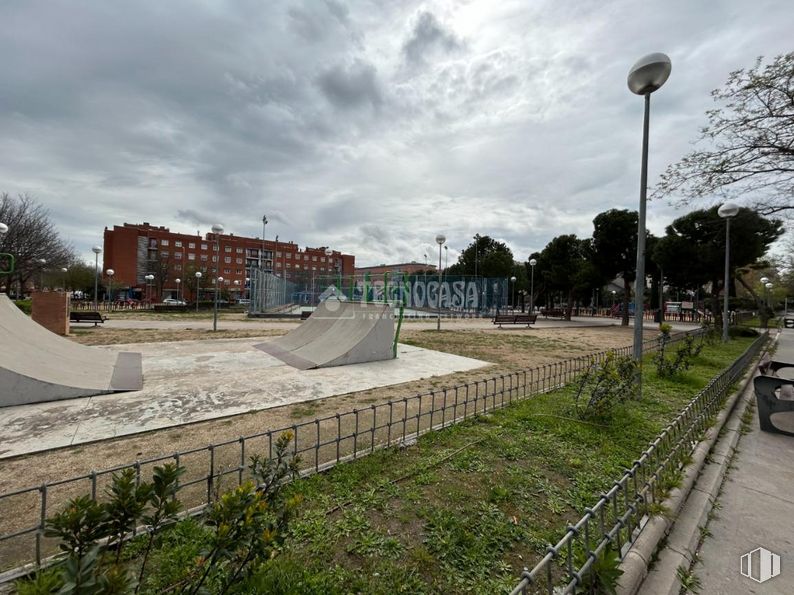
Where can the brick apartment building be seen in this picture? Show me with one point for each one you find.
(407, 268)
(136, 250)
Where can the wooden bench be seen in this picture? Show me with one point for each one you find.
(527, 319)
(553, 313)
(94, 317)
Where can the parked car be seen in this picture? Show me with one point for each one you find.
(174, 302)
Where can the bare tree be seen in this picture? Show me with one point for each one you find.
(752, 137)
(31, 239)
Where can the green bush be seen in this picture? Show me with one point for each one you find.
(24, 305)
(605, 385)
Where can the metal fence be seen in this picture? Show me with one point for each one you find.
(619, 515)
(321, 443)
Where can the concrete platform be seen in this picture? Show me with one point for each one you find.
(190, 381)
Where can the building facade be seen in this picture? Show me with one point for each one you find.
(135, 251)
(406, 268)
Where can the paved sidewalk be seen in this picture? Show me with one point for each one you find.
(756, 510)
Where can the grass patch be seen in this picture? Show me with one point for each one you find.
(465, 509)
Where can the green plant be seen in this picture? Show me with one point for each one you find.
(684, 355)
(689, 581)
(602, 577)
(605, 385)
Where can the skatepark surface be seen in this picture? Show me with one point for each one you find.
(191, 381)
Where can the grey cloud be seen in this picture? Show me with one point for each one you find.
(351, 86)
(428, 36)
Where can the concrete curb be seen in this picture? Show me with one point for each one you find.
(689, 506)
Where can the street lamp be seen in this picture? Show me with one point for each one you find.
(440, 239)
(532, 263)
(3, 228)
(647, 75)
(64, 270)
(513, 281)
(198, 287)
(727, 211)
(149, 278)
(768, 295)
(42, 262)
(612, 308)
(217, 229)
(96, 250)
(177, 281)
(110, 273)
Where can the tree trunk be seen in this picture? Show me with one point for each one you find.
(569, 305)
(763, 313)
(716, 309)
(626, 295)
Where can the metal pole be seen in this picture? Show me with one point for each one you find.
(217, 274)
(532, 290)
(725, 285)
(438, 294)
(661, 295)
(198, 291)
(639, 287)
(96, 279)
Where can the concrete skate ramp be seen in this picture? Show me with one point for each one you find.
(337, 334)
(37, 365)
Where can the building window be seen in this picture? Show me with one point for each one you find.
(214, 258)
(239, 261)
(203, 258)
(177, 244)
(163, 242)
(164, 254)
(278, 254)
(314, 259)
(204, 246)
(278, 264)
(227, 248)
(305, 257)
(289, 265)
(215, 247)
(297, 266)
(178, 255)
(191, 256)
(153, 243)
(191, 245)
(239, 250)
(227, 271)
(239, 271)
(177, 267)
(289, 254)
(227, 259)
(314, 268)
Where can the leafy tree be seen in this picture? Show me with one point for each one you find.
(493, 259)
(566, 266)
(692, 251)
(31, 237)
(615, 249)
(752, 138)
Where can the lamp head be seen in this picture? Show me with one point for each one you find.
(178, 280)
(64, 270)
(649, 73)
(264, 219)
(440, 239)
(3, 228)
(220, 279)
(728, 210)
(96, 249)
(328, 252)
(513, 279)
(110, 272)
(217, 229)
(198, 274)
(764, 280)
(768, 286)
(532, 262)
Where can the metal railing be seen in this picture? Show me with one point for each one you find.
(619, 515)
(321, 444)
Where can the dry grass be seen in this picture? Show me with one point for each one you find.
(117, 336)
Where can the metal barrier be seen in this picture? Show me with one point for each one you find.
(321, 443)
(619, 515)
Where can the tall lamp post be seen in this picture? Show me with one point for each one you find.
(217, 229)
(43, 263)
(149, 278)
(440, 239)
(727, 211)
(647, 75)
(178, 281)
(513, 281)
(64, 270)
(198, 288)
(96, 250)
(110, 273)
(532, 263)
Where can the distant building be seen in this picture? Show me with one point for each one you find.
(406, 268)
(136, 250)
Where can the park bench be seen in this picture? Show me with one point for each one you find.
(94, 317)
(553, 313)
(775, 398)
(527, 319)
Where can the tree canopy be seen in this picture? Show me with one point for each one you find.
(751, 138)
(490, 257)
(566, 265)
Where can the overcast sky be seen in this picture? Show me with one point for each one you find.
(367, 125)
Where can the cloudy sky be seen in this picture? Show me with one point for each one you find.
(369, 125)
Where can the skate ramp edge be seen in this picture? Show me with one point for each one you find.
(359, 333)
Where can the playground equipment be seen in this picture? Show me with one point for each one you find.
(37, 365)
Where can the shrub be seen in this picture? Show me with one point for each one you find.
(605, 385)
(24, 305)
(684, 355)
